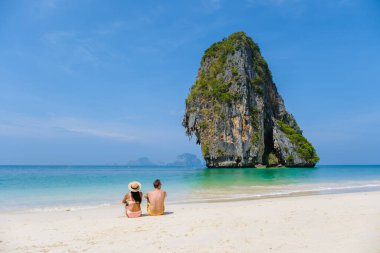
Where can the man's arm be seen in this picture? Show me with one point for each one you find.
(147, 197)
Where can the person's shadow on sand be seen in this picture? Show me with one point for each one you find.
(165, 213)
(146, 215)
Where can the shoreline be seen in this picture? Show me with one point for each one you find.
(348, 222)
(48, 189)
(270, 195)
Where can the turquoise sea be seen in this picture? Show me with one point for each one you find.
(49, 188)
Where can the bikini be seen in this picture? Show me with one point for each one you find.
(132, 214)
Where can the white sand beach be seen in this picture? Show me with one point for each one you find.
(320, 223)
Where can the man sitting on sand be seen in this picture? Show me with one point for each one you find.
(156, 199)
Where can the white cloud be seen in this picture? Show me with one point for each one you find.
(50, 3)
(110, 28)
(212, 5)
(56, 127)
(267, 2)
(253, 3)
(348, 128)
(75, 46)
(58, 37)
(346, 2)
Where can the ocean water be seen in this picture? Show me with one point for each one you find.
(49, 188)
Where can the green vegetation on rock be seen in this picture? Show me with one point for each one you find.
(303, 147)
(205, 149)
(255, 118)
(272, 160)
(255, 138)
(259, 90)
(213, 87)
(203, 125)
(290, 159)
(220, 152)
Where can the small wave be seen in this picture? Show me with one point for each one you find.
(322, 189)
(351, 187)
(284, 193)
(328, 189)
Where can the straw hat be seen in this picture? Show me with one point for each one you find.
(134, 186)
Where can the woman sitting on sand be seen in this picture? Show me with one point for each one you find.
(133, 200)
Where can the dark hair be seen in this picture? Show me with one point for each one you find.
(136, 196)
(156, 183)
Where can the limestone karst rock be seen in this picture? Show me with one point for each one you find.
(236, 113)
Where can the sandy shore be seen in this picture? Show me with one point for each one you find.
(324, 223)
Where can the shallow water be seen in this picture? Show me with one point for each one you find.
(47, 188)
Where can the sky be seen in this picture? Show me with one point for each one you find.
(104, 82)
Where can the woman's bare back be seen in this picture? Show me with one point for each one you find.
(132, 205)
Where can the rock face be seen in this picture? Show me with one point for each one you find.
(236, 113)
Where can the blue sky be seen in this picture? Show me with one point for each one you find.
(103, 82)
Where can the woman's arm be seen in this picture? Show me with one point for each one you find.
(125, 199)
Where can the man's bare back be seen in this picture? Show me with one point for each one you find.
(156, 200)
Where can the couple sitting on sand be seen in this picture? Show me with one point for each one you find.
(154, 198)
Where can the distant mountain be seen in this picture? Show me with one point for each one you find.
(142, 161)
(186, 160)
